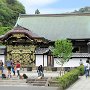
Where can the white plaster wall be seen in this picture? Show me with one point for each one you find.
(45, 60)
(74, 62)
(2, 57)
(39, 60)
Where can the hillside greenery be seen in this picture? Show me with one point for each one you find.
(9, 12)
(3, 30)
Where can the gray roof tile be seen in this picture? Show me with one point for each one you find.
(57, 26)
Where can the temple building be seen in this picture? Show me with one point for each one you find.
(31, 39)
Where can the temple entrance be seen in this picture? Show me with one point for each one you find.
(21, 44)
(24, 54)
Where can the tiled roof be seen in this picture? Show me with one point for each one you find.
(41, 50)
(20, 29)
(81, 55)
(57, 26)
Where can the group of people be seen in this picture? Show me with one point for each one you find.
(8, 68)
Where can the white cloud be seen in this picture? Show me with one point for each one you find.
(39, 3)
(32, 5)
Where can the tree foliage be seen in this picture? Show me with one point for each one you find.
(3, 30)
(63, 50)
(9, 12)
(37, 12)
(83, 10)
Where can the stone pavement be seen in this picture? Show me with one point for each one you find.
(82, 84)
(15, 81)
(27, 88)
(33, 74)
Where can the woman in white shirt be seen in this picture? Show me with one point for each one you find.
(87, 68)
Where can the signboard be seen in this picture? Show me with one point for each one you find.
(18, 35)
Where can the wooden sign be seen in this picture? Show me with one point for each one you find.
(18, 35)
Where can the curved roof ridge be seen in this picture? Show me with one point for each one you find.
(55, 15)
(20, 29)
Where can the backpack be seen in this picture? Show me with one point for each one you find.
(25, 76)
(3, 76)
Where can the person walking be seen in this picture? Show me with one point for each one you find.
(1, 69)
(13, 68)
(9, 65)
(81, 62)
(40, 71)
(87, 68)
(18, 68)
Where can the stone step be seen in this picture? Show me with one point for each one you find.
(14, 85)
(38, 84)
(32, 80)
(12, 81)
(40, 79)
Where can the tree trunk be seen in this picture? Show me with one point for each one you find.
(62, 72)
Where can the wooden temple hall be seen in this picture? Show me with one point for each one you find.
(21, 44)
(31, 39)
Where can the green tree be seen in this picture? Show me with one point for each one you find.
(83, 10)
(63, 51)
(11, 1)
(37, 12)
(9, 12)
(3, 30)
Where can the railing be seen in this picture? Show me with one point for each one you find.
(80, 54)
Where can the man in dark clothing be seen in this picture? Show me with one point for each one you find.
(40, 70)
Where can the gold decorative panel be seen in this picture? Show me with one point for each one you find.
(25, 54)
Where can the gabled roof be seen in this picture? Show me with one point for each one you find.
(21, 30)
(57, 26)
(41, 51)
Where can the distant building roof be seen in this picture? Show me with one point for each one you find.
(57, 26)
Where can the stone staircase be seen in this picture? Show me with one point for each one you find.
(13, 82)
(38, 82)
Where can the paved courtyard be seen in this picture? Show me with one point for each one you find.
(33, 74)
(82, 84)
(27, 88)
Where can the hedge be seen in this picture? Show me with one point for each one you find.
(70, 77)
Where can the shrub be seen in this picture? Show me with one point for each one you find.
(81, 70)
(70, 77)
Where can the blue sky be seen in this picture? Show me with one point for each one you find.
(53, 6)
